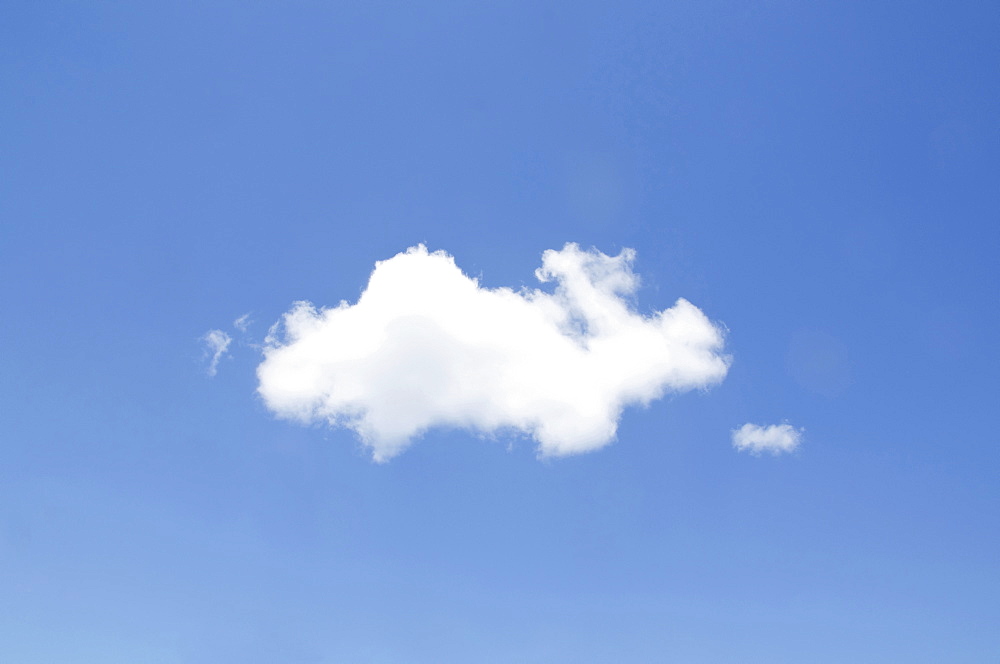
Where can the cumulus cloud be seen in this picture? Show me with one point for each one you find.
(427, 346)
(216, 344)
(774, 438)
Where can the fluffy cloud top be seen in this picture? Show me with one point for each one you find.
(774, 438)
(216, 344)
(427, 346)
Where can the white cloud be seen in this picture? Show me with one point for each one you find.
(242, 323)
(774, 438)
(216, 344)
(427, 346)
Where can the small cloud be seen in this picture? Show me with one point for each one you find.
(243, 322)
(774, 438)
(216, 344)
(426, 346)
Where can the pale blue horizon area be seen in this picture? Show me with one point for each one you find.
(823, 179)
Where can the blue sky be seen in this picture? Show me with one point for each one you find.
(820, 179)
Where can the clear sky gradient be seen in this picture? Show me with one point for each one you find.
(823, 179)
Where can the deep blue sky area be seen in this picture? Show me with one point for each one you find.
(823, 179)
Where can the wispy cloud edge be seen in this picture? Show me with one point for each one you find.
(216, 345)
